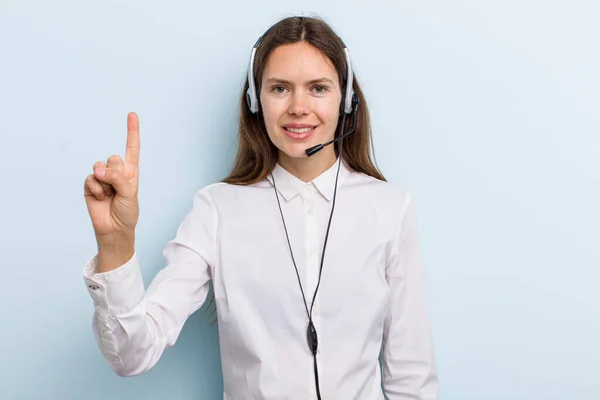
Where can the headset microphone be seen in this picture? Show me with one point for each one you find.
(355, 102)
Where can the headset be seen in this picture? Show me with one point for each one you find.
(350, 103)
(350, 106)
(252, 97)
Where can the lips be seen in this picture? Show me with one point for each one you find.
(299, 131)
(299, 128)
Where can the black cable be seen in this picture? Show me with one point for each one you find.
(312, 336)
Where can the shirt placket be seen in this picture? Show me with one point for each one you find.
(311, 242)
(312, 257)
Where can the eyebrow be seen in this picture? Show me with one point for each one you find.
(279, 80)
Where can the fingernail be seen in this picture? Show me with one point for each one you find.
(100, 172)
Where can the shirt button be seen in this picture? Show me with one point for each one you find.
(309, 211)
(94, 287)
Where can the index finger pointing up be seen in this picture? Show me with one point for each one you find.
(132, 151)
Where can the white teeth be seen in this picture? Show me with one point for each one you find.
(303, 130)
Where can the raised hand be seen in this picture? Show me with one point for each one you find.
(111, 192)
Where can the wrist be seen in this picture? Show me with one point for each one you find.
(114, 250)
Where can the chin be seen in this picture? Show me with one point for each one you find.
(295, 150)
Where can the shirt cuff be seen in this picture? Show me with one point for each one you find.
(118, 290)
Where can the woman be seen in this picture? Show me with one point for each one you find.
(306, 297)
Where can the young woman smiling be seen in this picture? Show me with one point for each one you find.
(313, 256)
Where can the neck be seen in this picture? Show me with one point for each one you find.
(308, 168)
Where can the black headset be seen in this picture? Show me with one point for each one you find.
(350, 103)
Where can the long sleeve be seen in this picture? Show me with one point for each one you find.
(133, 327)
(409, 369)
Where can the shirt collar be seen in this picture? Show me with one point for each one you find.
(289, 186)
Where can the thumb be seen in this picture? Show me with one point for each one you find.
(115, 178)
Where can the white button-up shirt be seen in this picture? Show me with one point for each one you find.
(371, 297)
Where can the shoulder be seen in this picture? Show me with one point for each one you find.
(217, 203)
(390, 204)
(383, 194)
(222, 194)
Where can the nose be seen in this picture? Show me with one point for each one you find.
(298, 104)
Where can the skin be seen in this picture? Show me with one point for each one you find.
(300, 86)
(111, 196)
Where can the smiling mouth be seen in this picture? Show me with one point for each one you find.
(300, 130)
(299, 133)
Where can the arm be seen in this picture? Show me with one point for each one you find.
(132, 327)
(409, 369)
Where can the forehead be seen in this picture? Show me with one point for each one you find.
(299, 62)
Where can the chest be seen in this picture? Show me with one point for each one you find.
(262, 261)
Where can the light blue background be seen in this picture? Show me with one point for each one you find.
(488, 111)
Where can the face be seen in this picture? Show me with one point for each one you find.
(300, 98)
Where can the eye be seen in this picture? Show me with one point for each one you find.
(320, 89)
(278, 89)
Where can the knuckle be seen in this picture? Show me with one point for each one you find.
(112, 175)
(114, 158)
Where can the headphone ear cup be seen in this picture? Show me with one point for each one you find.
(252, 103)
(353, 98)
(249, 100)
(355, 101)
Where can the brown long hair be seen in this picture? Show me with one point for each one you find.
(257, 155)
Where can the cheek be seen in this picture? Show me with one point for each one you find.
(329, 113)
(272, 120)
(272, 112)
